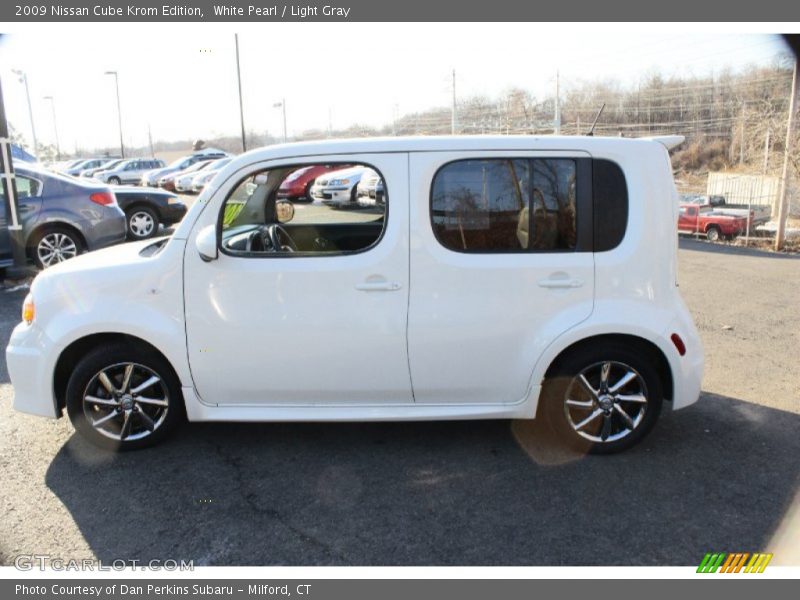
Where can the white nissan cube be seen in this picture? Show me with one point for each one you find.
(502, 278)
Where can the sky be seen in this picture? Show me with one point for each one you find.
(180, 80)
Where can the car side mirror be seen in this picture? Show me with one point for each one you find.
(206, 243)
(284, 210)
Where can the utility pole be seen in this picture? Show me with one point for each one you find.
(741, 135)
(55, 125)
(239, 81)
(766, 151)
(453, 113)
(557, 117)
(9, 189)
(782, 202)
(23, 78)
(283, 106)
(150, 140)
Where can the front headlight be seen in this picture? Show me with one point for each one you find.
(338, 182)
(28, 310)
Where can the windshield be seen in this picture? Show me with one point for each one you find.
(178, 162)
(110, 164)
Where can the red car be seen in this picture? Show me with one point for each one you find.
(297, 186)
(698, 219)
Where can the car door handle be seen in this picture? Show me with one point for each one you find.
(560, 283)
(378, 286)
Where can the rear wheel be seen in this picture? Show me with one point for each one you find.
(603, 399)
(54, 245)
(123, 397)
(142, 223)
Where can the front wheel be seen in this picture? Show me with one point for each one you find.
(603, 399)
(114, 180)
(123, 397)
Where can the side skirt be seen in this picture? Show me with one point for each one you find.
(197, 411)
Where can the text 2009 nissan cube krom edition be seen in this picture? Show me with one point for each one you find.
(496, 277)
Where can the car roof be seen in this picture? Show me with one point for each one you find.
(455, 143)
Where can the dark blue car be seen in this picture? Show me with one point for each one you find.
(61, 217)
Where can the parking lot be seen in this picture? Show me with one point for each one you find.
(721, 475)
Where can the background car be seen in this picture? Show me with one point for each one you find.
(146, 208)
(150, 178)
(129, 171)
(66, 164)
(371, 186)
(297, 186)
(183, 180)
(89, 163)
(200, 180)
(104, 167)
(64, 216)
(168, 181)
(338, 187)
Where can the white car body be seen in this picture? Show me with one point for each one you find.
(450, 335)
(338, 187)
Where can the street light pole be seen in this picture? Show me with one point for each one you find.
(239, 80)
(282, 105)
(119, 113)
(55, 125)
(23, 78)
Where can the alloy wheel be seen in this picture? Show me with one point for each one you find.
(55, 248)
(606, 402)
(126, 401)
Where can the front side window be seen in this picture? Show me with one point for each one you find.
(302, 210)
(505, 205)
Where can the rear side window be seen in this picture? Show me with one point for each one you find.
(27, 187)
(506, 205)
(610, 198)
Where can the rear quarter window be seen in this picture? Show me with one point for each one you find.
(610, 199)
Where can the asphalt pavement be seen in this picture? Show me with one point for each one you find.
(721, 475)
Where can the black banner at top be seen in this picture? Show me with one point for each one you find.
(397, 10)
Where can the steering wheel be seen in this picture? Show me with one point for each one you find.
(273, 235)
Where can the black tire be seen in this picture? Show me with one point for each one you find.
(137, 221)
(108, 358)
(585, 359)
(354, 194)
(713, 234)
(39, 252)
(114, 180)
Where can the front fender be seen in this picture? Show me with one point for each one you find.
(114, 291)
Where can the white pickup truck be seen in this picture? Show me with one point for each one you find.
(758, 213)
